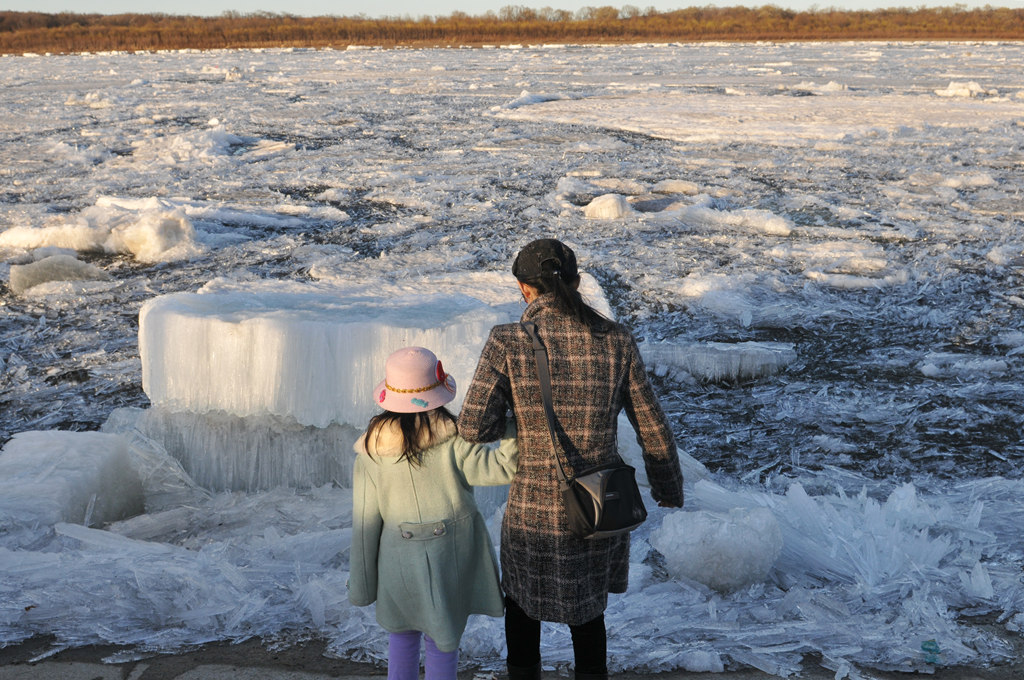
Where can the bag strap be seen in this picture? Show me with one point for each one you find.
(540, 355)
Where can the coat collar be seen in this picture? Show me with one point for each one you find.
(541, 305)
(388, 441)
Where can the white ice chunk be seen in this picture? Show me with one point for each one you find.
(155, 237)
(1014, 340)
(724, 551)
(951, 365)
(717, 361)
(676, 186)
(79, 477)
(745, 220)
(151, 230)
(1006, 255)
(608, 207)
(54, 268)
(968, 89)
(529, 99)
(851, 282)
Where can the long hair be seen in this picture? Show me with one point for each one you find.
(569, 301)
(415, 428)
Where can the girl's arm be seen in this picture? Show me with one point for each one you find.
(367, 524)
(484, 466)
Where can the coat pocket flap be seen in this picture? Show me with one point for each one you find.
(423, 531)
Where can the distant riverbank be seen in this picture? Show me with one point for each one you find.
(32, 32)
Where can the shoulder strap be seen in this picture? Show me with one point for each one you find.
(540, 355)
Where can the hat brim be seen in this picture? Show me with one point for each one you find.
(414, 402)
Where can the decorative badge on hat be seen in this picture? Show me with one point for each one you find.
(415, 381)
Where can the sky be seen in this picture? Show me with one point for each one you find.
(419, 8)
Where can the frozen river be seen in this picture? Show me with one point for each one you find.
(846, 216)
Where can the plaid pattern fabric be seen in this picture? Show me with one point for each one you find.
(550, 573)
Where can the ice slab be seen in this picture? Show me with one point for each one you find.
(77, 477)
(718, 361)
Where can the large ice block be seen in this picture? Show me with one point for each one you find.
(312, 357)
(266, 387)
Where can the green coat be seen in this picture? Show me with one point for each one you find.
(420, 548)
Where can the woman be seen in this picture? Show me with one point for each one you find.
(549, 574)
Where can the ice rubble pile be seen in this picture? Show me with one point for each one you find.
(865, 578)
(862, 579)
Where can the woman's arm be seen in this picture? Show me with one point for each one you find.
(653, 433)
(489, 396)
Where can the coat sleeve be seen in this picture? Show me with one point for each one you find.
(483, 466)
(489, 397)
(367, 524)
(653, 433)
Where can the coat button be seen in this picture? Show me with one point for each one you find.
(439, 531)
(406, 534)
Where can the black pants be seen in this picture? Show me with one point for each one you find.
(522, 637)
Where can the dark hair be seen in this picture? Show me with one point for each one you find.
(549, 265)
(413, 427)
(569, 301)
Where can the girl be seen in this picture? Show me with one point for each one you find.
(420, 547)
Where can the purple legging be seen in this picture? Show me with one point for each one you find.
(404, 658)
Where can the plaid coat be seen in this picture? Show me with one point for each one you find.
(549, 572)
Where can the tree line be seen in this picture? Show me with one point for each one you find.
(28, 32)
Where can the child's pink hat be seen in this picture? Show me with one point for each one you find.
(414, 381)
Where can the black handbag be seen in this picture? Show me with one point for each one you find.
(601, 501)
